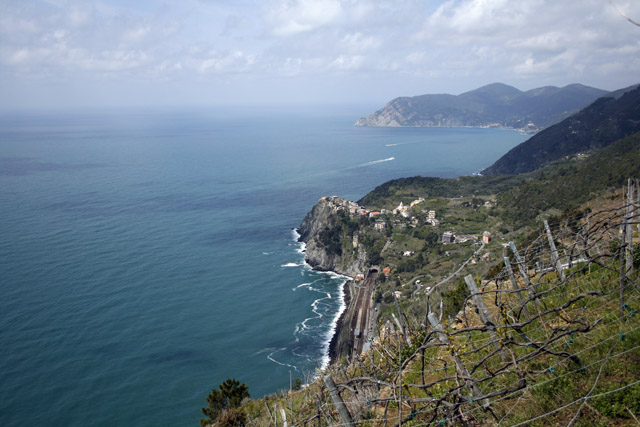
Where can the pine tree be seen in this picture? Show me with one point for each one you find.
(229, 394)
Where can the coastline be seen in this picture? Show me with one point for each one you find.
(339, 323)
(344, 295)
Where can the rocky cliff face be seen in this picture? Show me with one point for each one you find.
(322, 217)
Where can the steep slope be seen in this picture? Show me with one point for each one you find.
(601, 123)
(496, 104)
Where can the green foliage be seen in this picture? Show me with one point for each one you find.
(560, 389)
(567, 184)
(228, 395)
(297, 383)
(616, 404)
(427, 234)
(494, 270)
(331, 239)
(373, 244)
(418, 186)
(453, 300)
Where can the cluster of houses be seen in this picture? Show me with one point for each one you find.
(340, 204)
(402, 210)
(448, 237)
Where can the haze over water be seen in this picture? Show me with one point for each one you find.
(148, 256)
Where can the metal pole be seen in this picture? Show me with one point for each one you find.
(554, 253)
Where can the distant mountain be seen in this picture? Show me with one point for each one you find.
(608, 119)
(494, 105)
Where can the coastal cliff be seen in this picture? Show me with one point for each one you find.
(325, 230)
(330, 233)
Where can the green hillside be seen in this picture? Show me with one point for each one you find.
(607, 120)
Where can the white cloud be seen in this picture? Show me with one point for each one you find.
(442, 46)
(358, 42)
(232, 62)
(291, 17)
(347, 62)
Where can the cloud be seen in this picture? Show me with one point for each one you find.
(232, 62)
(291, 17)
(347, 62)
(350, 45)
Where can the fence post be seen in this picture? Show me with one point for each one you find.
(345, 416)
(554, 253)
(270, 414)
(629, 228)
(636, 211)
(514, 284)
(521, 266)
(468, 379)
(318, 412)
(621, 253)
(483, 311)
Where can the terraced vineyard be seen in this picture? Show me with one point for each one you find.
(553, 338)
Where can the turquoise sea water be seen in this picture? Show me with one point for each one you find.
(148, 256)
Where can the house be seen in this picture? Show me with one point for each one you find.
(408, 253)
(486, 237)
(386, 271)
(380, 225)
(431, 218)
(448, 237)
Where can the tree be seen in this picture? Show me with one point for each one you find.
(228, 395)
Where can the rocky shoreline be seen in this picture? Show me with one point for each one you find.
(334, 344)
(322, 217)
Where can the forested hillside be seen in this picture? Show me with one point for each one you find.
(605, 121)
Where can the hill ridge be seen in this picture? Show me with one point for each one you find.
(492, 105)
(606, 120)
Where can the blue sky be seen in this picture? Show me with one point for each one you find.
(78, 53)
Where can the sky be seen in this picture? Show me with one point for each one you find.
(90, 53)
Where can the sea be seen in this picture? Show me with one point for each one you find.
(148, 255)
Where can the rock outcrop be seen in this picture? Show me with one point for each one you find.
(324, 216)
